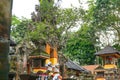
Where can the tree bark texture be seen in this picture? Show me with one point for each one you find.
(5, 21)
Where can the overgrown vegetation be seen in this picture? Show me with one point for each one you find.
(50, 24)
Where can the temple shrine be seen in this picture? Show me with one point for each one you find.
(109, 69)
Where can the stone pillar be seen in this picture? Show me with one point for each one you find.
(5, 20)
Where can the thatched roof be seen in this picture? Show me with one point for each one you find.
(74, 66)
(91, 68)
(107, 50)
(39, 52)
(38, 57)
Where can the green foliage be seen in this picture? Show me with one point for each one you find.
(39, 32)
(15, 20)
(102, 17)
(47, 11)
(19, 28)
(106, 16)
(54, 23)
(80, 47)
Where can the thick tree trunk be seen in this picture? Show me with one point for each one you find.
(5, 20)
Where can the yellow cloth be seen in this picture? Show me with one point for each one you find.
(100, 79)
(47, 61)
(54, 61)
(36, 70)
(109, 66)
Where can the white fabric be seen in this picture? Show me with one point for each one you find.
(49, 68)
(56, 69)
(56, 77)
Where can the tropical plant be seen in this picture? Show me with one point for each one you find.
(53, 26)
(80, 47)
(106, 19)
(19, 28)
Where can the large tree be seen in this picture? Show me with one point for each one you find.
(80, 47)
(49, 24)
(106, 19)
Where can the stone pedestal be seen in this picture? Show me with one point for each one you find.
(28, 77)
